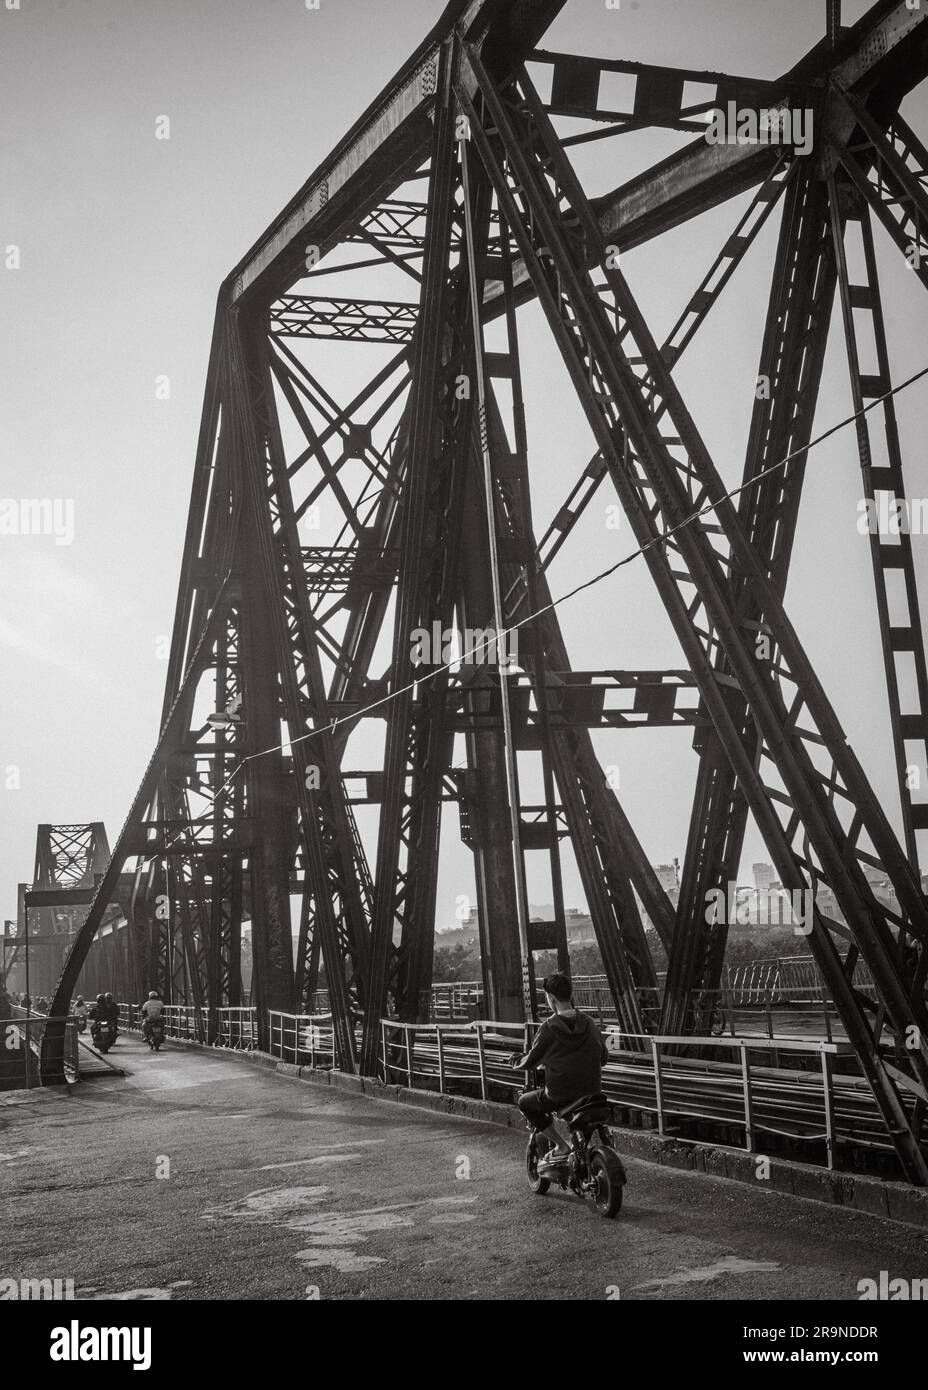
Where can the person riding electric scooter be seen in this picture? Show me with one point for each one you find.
(572, 1050)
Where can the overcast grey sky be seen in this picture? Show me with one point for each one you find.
(123, 242)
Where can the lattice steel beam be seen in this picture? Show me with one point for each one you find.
(343, 320)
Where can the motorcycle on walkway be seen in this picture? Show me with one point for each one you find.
(103, 1033)
(154, 1033)
(592, 1168)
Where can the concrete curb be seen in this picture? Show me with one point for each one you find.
(875, 1197)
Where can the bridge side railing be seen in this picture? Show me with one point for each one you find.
(739, 1087)
(236, 1025)
(420, 1055)
(738, 1083)
(21, 1038)
(304, 1040)
(185, 1022)
(785, 979)
(237, 1028)
(452, 1000)
(764, 984)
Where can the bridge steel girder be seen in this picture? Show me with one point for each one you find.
(792, 355)
(334, 857)
(387, 143)
(810, 257)
(610, 858)
(889, 167)
(659, 93)
(663, 479)
(901, 628)
(432, 493)
(880, 58)
(291, 629)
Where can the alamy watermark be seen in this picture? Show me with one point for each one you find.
(479, 646)
(885, 1289)
(36, 1290)
(885, 515)
(739, 906)
(76, 1343)
(38, 516)
(776, 125)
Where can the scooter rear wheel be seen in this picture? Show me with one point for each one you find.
(532, 1154)
(607, 1177)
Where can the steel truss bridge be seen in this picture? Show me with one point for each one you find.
(457, 182)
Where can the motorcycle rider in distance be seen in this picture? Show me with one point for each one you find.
(104, 1010)
(107, 1010)
(572, 1050)
(152, 1008)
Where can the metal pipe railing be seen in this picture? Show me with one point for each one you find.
(305, 1040)
(734, 1081)
(237, 1028)
(185, 1022)
(740, 1087)
(236, 1025)
(766, 987)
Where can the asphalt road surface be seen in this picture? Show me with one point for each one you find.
(200, 1176)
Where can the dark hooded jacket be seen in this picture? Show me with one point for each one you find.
(573, 1051)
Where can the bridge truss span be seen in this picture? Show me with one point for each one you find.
(364, 577)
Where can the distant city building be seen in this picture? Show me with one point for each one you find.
(579, 927)
(826, 902)
(763, 877)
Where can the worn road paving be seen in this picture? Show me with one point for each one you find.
(203, 1176)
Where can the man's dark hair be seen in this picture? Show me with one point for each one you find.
(558, 985)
